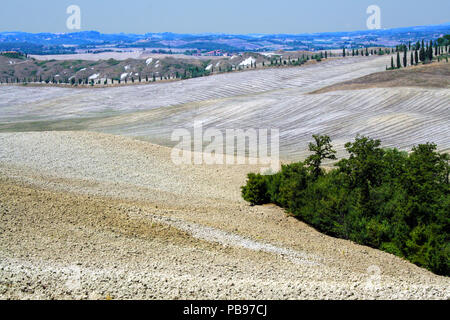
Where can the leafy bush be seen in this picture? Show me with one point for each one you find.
(383, 198)
(255, 191)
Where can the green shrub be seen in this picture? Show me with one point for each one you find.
(255, 191)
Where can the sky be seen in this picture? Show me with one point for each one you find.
(213, 16)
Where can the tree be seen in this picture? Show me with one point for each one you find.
(428, 170)
(405, 60)
(322, 149)
(363, 167)
(430, 51)
(398, 60)
(422, 53)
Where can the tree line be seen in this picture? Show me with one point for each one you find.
(395, 201)
(421, 52)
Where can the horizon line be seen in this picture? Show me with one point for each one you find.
(446, 24)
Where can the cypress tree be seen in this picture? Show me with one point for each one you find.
(405, 61)
(412, 59)
(422, 54)
(430, 51)
(392, 62)
(398, 60)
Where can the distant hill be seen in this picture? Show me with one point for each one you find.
(51, 43)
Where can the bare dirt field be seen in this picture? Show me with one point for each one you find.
(86, 215)
(90, 208)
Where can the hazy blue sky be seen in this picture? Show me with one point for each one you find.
(228, 16)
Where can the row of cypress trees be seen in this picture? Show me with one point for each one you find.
(421, 52)
(87, 81)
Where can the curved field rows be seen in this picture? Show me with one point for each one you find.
(34, 103)
(271, 98)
